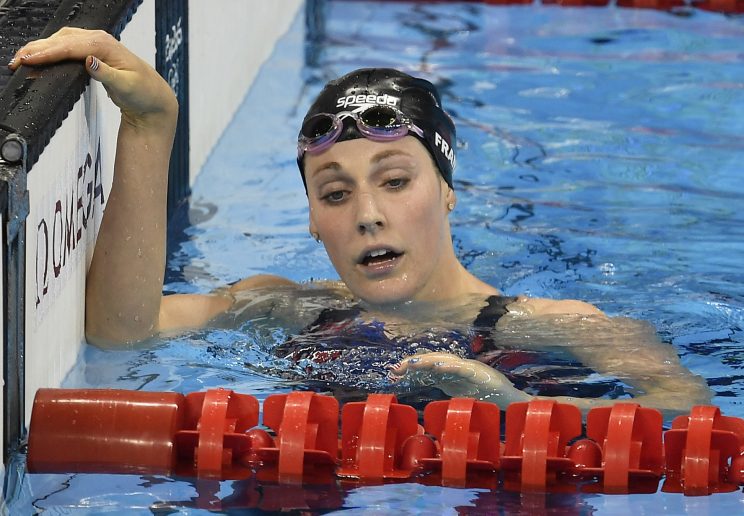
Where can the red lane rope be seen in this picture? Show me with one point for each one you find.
(216, 435)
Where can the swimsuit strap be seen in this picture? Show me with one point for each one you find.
(492, 312)
(485, 321)
(330, 317)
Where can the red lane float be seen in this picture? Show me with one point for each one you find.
(216, 435)
(698, 450)
(373, 438)
(306, 445)
(463, 428)
(535, 451)
(629, 443)
(117, 431)
(213, 436)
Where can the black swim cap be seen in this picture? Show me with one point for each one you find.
(416, 98)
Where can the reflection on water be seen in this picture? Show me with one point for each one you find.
(72, 494)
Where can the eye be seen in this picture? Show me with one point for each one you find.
(335, 196)
(397, 183)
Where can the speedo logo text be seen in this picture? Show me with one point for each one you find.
(363, 100)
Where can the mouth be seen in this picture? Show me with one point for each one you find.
(380, 258)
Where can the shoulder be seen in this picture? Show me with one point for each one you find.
(261, 281)
(285, 302)
(269, 281)
(188, 311)
(537, 306)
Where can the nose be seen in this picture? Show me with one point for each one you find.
(370, 218)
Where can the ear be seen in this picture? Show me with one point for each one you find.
(451, 196)
(313, 228)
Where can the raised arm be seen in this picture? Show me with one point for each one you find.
(124, 301)
(124, 283)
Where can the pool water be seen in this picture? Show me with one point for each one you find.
(598, 159)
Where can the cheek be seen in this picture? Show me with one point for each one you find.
(330, 227)
(421, 218)
(322, 218)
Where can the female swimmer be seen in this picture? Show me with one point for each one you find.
(376, 155)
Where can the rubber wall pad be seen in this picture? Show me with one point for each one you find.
(20, 21)
(35, 101)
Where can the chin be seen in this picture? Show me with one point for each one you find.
(383, 293)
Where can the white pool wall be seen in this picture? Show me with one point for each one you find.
(55, 271)
(227, 51)
(227, 47)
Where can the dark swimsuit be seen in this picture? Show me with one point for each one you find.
(366, 348)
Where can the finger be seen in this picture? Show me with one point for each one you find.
(396, 370)
(412, 363)
(437, 361)
(66, 44)
(424, 361)
(420, 378)
(17, 59)
(40, 52)
(99, 70)
(409, 369)
(425, 375)
(401, 368)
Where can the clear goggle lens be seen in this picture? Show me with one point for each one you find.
(378, 123)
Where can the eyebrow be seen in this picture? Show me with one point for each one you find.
(334, 166)
(383, 155)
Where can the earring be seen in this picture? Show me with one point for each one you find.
(316, 236)
(451, 206)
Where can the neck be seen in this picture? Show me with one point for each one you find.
(452, 280)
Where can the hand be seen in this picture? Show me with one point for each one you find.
(133, 85)
(459, 377)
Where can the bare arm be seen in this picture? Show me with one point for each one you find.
(124, 283)
(124, 301)
(626, 349)
(125, 280)
(185, 311)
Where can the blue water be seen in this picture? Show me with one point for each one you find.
(599, 158)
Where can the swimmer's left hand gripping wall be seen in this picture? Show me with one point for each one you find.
(57, 149)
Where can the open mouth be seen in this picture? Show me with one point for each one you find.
(379, 257)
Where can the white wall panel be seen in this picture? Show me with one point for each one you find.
(228, 43)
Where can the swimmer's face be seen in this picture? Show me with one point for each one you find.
(381, 212)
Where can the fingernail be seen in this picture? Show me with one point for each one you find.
(94, 64)
(26, 56)
(10, 63)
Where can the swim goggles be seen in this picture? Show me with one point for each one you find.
(377, 123)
